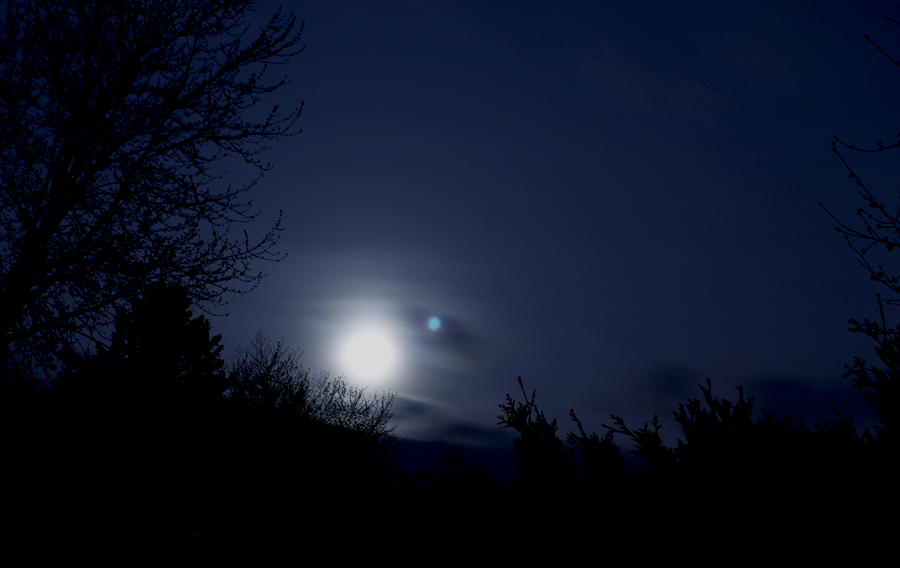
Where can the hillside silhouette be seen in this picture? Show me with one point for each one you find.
(158, 429)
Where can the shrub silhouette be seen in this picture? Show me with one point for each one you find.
(725, 448)
(602, 465)
(544, 464)
(268, 375)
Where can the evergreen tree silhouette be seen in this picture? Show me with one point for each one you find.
(150, 408)
(132, 434)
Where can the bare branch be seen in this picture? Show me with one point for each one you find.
(115, 121)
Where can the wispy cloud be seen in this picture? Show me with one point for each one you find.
(421, 419)
(636, 87)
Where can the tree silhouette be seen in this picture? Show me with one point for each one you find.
(332, 440)
(117, 122)
(136, 429)
(155, 424)
(544, 463)
(881, 384)
(160, 357)
(726, 448)
(268, 375)
(602, 465)
(872, 235)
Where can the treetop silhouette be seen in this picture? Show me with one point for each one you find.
(267, 375)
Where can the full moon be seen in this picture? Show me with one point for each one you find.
(368, 354)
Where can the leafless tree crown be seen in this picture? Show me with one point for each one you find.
(117, 122)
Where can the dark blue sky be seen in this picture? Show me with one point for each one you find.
(612, 200)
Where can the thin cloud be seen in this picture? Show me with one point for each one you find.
(636, 87)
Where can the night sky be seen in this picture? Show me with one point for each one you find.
(613, 200)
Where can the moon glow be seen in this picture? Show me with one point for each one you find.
(368, 354)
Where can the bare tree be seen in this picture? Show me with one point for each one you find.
(117, 121)
(268, 375)
(335, 401)
(872, 236)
